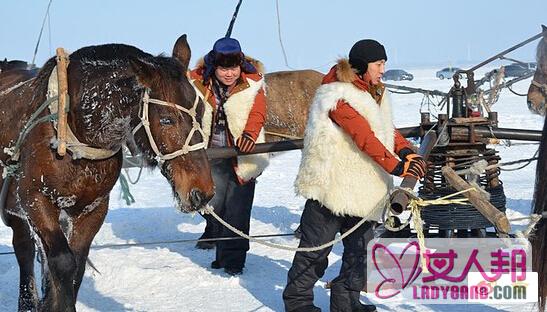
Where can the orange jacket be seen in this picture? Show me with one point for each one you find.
(257, 115)
(359, 129)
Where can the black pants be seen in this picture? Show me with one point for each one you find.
(320, 226)
(233, 203)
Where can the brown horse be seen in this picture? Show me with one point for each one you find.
(117, 93)
(289, 95)
(14, 72)
(537, 93)
(539, 239)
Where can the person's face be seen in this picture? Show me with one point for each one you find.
(375, 71)
(228, 75)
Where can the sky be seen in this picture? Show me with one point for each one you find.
(314, 32)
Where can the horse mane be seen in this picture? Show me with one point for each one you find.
(541, 52)
(116, 55)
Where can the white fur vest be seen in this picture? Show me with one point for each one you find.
(237, 108)
(333, 170)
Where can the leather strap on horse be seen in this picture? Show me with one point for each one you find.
(541, 86)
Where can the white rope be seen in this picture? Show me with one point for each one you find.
(210, 210)
(8, 90)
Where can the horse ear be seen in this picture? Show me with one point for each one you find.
(544, 30)
(144, 71)
(181, 51)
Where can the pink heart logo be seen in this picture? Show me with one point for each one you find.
(439, 263)
(397, 271)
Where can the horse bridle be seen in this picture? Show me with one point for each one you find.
(145, 122)
(541, 86)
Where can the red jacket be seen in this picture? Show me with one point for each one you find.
(359, 129)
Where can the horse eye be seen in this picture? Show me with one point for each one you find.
(166, 121)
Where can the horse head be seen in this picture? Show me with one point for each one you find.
(148, 100)
(537, 93)
(174, 140)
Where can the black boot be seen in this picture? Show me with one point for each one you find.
(233, 271)
(357, 306)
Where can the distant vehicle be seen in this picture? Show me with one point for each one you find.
(447, 73)
(514, 70)
(397, 74)
(519, 69)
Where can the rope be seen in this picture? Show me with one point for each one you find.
(13, 151)
(543, 215)
(478, 167)
(166, 242)
(211, 211)
(416, 204)
(125, 193)
(138, 175)
(516, 93)
(8, 90)
(234, 17)
(279, 36)
(281, 135)
(40, 35)
(399, 92)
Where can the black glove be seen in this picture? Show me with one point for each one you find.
(413, 165)
(245, 143)
(403, 153)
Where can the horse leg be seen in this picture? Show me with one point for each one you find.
(85, 227)
(59, 261)
(23, 244)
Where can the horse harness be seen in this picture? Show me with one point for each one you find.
(541, 86)
(145, 122)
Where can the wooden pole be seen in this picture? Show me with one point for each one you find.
(62, 77)
(496, 217)
(399, 199)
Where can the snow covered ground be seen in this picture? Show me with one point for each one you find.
(177, 277)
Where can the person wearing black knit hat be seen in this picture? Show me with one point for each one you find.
(351, 150)
(235, 110)
(364, 52)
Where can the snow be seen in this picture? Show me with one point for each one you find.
(177, 277)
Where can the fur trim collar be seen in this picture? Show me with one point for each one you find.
(256, 63)
(344, 71)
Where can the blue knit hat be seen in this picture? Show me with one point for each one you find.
(226, 52)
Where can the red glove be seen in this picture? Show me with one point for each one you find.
(245, 143)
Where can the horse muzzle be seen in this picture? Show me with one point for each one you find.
(194, 201)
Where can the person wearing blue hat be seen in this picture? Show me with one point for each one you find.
(235, 110)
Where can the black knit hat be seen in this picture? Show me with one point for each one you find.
(364, 52)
